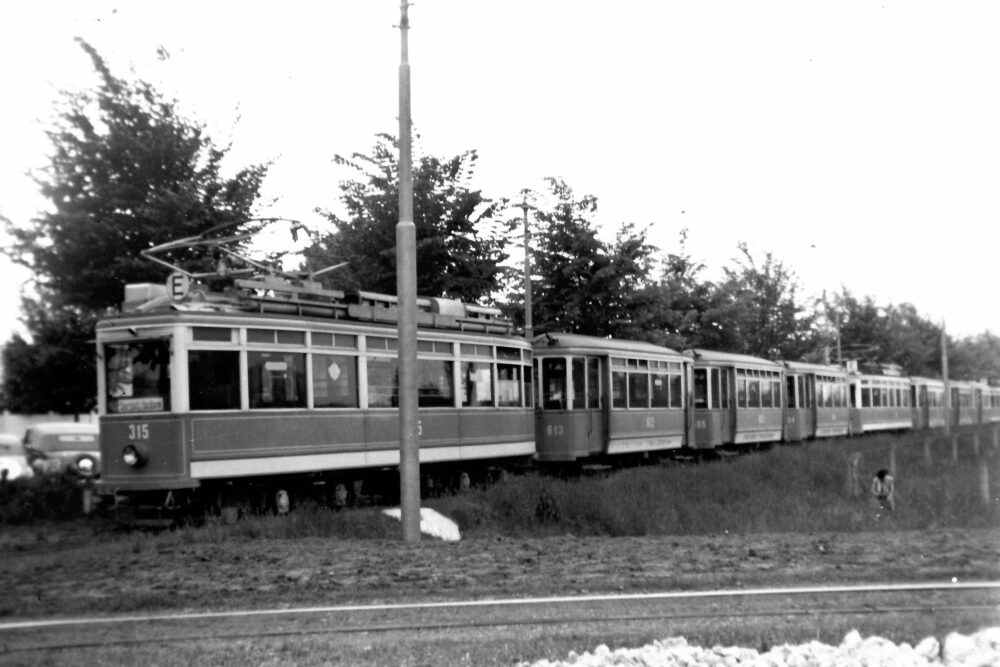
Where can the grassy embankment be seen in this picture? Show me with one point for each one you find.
(788, 488)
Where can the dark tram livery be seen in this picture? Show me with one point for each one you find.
(599, 397)
(200, 390)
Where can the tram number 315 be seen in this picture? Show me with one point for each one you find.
(138, 431)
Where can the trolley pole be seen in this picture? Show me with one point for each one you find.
(528, 327)
(406, 291)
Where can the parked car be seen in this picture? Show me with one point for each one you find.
(13, 459)
(64, 447)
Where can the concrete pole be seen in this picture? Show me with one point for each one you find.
(944, 375)
(528, 325)
(406, 291)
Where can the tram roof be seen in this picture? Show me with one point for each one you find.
(565, 342)
(711, 356)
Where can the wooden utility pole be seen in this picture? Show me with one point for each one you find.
(406, 291)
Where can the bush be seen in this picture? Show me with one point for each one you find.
(41, 498)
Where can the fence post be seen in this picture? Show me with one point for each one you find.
(996, 437)
(954, 448)
(854, 487)
(975, 442)
(984, 480)
(892, 459)
(928, 459)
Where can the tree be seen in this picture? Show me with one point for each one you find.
(584, 285)
(55, 371)
(757, 309)
(461, 241)
(127, 173)
(976, 358)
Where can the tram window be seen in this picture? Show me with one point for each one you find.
(701, 387)
(346, 341)
(866, 397)
(213, 380)
(766, 394)
(508, 386)
(276, 336)
(477, 384)
(741, 389)
(553, 383)
(381, 343)
(753, 393)
(435, 383)
(291, 337)
(508, 353)
(661, 391)
(277, 379)
(724, 389)
(713, 397)
(676, 391)
(790, 391)
(593, 383)
(138, 376)
(213, 334)
(638, 390)
(335, 381)
(618, 389)
(528, 393)
(383, 382)
(578, 364)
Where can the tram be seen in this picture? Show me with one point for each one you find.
(600, 397)
(815, 401)
(275, 387)
(737, 399)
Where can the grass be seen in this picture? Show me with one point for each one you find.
(787, 488)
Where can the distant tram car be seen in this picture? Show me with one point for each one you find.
(273, 388)
(991, 403)
(815, 401)
(927, 400)
(737, 399)
(602, 397)
(879, 403)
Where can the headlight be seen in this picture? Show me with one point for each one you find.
(86, 466)
(134, 456)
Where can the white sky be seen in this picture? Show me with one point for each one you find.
(857, 141)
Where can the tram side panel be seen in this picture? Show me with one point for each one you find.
(186, 402)
(605, 398)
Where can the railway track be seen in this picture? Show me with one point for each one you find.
(947, 604)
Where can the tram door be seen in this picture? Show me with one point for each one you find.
(590, 415)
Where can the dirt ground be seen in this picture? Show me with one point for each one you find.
(73, 570)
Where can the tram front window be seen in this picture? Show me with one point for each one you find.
(138, 376)
(701, 387)
(553, 384)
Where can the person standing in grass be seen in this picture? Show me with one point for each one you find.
(884, 490)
